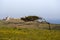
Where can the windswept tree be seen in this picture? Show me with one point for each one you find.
(33, 18)
(30, 18)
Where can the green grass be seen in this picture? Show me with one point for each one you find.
(28, 34)
(10, 32)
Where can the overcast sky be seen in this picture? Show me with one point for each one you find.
(48, 9)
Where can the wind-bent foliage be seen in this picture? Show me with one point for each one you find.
(30, 18)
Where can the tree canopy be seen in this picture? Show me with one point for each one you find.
(30, 18)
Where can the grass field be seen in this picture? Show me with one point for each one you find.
(28, 34)
(12, 31)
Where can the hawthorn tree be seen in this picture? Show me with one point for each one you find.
(33, 18)
(30, 18)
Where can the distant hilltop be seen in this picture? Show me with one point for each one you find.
(25, 19)
(28, 22)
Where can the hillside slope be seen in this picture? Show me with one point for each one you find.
(33, 24)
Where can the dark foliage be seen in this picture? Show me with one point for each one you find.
(30, 18)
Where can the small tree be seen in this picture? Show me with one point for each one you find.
(30, 18)
(33, 18)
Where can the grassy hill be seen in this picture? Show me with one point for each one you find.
(28, 31)
(34, 24)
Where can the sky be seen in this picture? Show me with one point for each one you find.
(48, 9)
